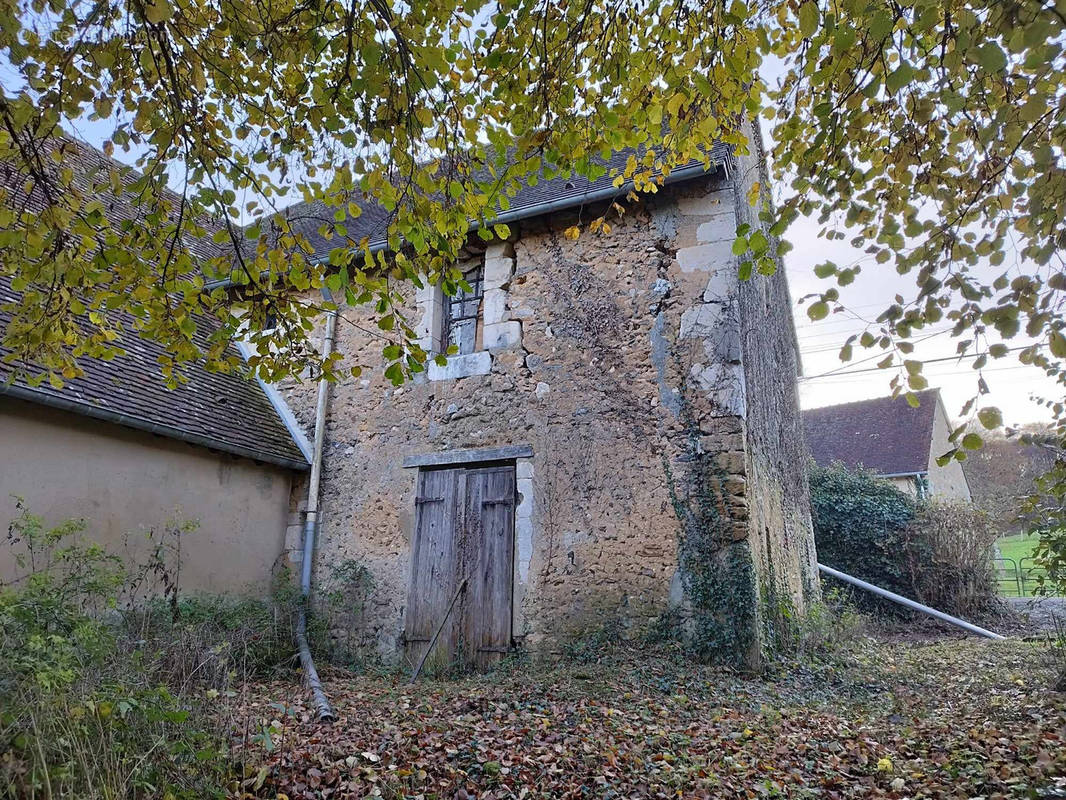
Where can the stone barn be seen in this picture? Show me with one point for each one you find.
(616, 443)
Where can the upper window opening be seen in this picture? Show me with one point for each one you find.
(461, 313)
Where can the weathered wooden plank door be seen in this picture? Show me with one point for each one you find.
(464, 529)
(434, 567)
(488, 554)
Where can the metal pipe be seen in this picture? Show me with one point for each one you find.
(45, 398)
(325, 710)
(535, 210)
(903, 601)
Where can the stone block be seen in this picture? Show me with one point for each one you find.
(722, 343)
(542, 390)
(719, 228)
(461, 367)
(494, 306)
(724, 385)
(498, 272)
(524, 469)
(499, 250)
(700, 321)
(525, 498)
(705, 257)
(428, 294)
(523, 532)
(705, 205)
(503, 335)
(722, 285)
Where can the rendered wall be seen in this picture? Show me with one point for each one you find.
(946, 482)
(124, 482)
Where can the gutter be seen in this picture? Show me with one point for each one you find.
(141, 424)
(536, 210)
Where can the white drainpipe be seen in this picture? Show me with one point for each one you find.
(325, 711)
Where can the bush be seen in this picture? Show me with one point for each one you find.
(101, 699)
(948, 548)
(934, 552)
(860, 524)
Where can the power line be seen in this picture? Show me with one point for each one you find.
(927, 361)
(868, 359)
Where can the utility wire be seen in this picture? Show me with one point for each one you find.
(841, 372)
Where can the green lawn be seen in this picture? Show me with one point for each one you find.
(1017, 547)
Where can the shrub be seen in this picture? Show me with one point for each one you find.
(103, 699)
(948, 550)
(938, 553)
(860, 524)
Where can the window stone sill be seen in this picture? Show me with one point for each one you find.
(462, 366)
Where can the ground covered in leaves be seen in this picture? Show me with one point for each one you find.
(952, 719)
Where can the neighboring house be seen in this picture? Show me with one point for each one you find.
(541, 464)
(888, 436)
(600, 385)
(117, 448)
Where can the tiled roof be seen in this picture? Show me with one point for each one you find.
(885, 434)
(224, 411)
(561, 191)
(91, 171)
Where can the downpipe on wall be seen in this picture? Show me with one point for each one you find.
(904, 601)
(325, 710)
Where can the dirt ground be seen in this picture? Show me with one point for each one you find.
(957, 718)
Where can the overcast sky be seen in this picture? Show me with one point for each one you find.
(1012, 384)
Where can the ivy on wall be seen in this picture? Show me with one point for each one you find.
(718, 618)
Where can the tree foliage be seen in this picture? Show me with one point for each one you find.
(437, 111)
(927, 132)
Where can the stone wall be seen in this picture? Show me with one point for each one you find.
(778, 496)
(599, 354)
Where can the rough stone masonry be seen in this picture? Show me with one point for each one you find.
(622, 360)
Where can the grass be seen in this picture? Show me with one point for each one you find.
(1016, 547)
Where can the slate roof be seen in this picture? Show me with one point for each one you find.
(223, 411)
(885, 434)
(561, 191)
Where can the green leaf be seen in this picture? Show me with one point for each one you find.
(819, 310)
(990, 417)
(972, 441)
(991, 57)
(808, 18)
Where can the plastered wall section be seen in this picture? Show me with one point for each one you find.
(592, 340)
(124, 483)
(946, 482)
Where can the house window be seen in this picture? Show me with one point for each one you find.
(462, 312)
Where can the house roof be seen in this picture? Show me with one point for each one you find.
(223, 411)
(885, 434)
(559, 192)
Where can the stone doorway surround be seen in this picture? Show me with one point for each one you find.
(522, 457)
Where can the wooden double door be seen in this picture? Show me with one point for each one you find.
(462, 566)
